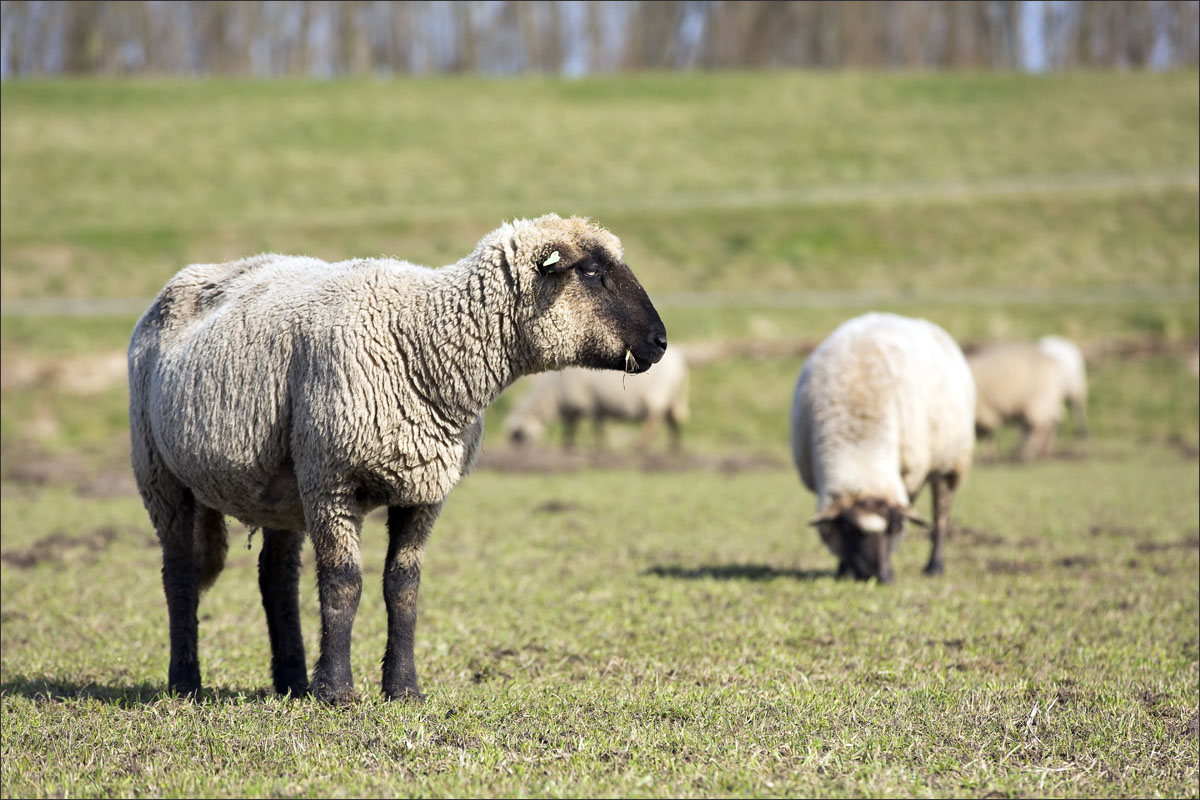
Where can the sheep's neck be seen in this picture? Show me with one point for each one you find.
(473, 348)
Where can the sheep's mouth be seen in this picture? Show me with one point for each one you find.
(635, 364)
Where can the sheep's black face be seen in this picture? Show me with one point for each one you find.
(592, 312)
(623, 313)
(863, 541)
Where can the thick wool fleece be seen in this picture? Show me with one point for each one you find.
(277, 384)
(880, 405)
(1017, 382)
(578, 392)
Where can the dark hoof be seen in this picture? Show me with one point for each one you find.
(409, 695)
(293, 682)
(934, 569)
(339, 695)
(185, 682)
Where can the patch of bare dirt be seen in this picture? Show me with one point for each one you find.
(1114, 530)
(1075, 562)
(549, 460)
(1000, 566)
(1187, 542)
(979, 536)
(80, 375)
(103, 474)
(59, 547)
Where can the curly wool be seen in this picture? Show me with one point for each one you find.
(262, 381)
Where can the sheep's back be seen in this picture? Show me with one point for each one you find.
(1017, 381)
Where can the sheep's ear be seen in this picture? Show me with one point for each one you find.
(828, 515)
(556, 260)
(916, 519)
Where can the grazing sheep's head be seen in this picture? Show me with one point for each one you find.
(862, 533)
(524, 431)
(582, 306)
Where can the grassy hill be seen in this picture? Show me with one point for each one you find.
(621, 626)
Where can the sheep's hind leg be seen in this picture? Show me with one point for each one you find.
(943, 491)
(279, 582)
(408, 528)
(181, 583)
(335, 538)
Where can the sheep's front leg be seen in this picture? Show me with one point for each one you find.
(408, 528)
(279, 582)
(942, 492)
(335, 538)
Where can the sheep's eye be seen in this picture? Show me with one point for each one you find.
(589, 270)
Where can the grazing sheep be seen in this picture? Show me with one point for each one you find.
(1018, 382)
(882, 407)
(575, 393)
(1070, 361)
(298, 395)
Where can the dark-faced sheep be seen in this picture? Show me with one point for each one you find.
(1017, 382)
(653, 398)
(297, 395)
(882, 407)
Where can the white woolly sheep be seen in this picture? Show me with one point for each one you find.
(1017, 382)
(1070, 360)
(298, 395)
(660, 395)
(882, 407)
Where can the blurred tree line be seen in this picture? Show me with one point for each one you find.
(320, 38)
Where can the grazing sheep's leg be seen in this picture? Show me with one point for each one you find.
(675, 431)
(335, 538)
(1079, 417)
(181, 583)
(598, 428)
(279, 582)
(943, 491)
(648, 429)
(1037, 442)
(570, 428)
(408, 528)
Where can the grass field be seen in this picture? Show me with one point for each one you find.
(624, 626)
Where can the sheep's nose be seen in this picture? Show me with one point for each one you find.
(659, 339)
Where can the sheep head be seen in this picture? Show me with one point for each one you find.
(581, 304)
(862, 532)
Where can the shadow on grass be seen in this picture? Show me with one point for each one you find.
(50, 690)
(737, 572)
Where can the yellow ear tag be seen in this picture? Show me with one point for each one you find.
(553, 259)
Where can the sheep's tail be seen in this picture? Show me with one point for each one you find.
(679, 408)
(210, 542)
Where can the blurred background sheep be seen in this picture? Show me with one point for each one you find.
(571, 395)
(1070, 361)
(1018, 382)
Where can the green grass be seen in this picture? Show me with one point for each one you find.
(671, 634)
(625, 632)
(109, 187)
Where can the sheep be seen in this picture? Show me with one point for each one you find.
(575, 393)
(297, 395)
(1070, 361)
(1018, 382)
(883, 406)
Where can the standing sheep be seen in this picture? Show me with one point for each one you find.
(298, 395)
(1018, 382)
(1070, 361)
(882, 407)
(575, 393)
